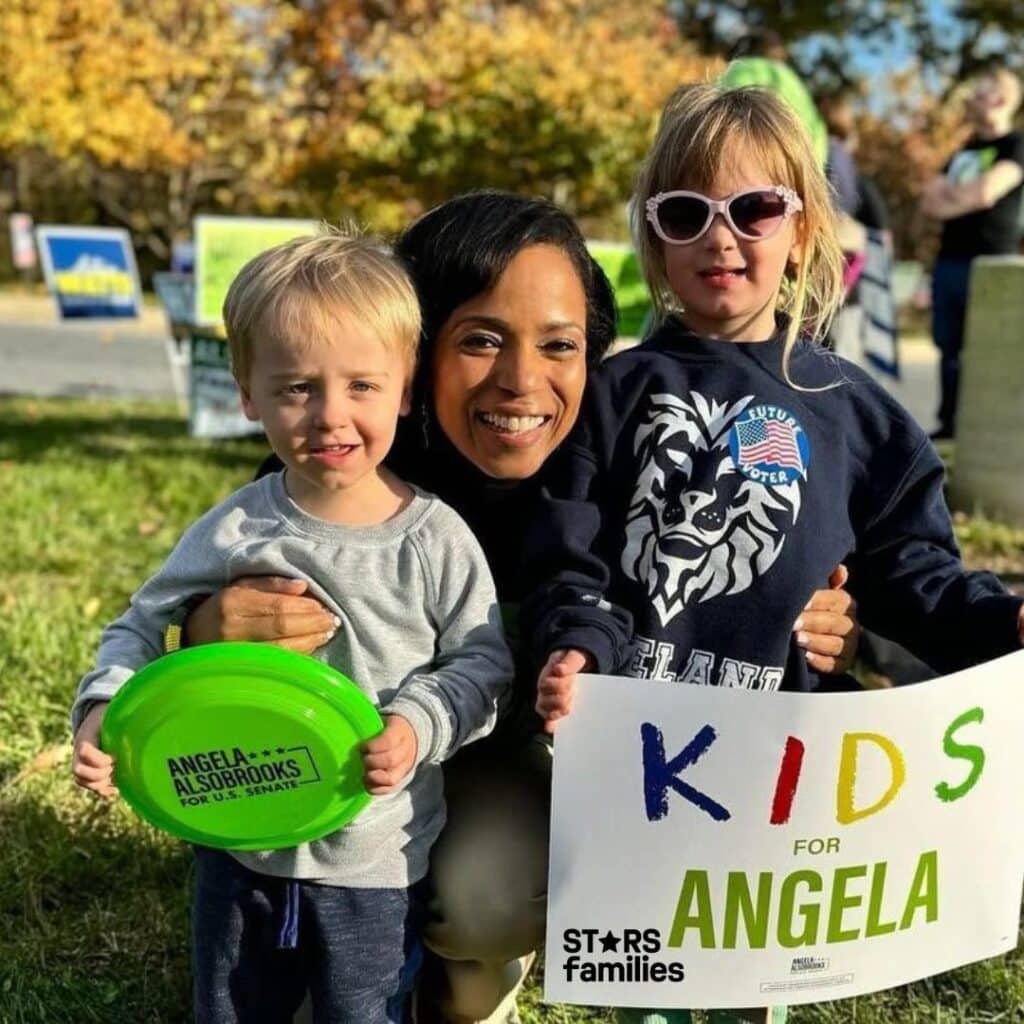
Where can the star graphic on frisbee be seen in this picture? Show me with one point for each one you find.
(609, 942)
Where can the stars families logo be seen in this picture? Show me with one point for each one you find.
(626, 956)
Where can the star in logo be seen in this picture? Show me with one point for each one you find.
(266, 753)
(280, 750)
(609, 942)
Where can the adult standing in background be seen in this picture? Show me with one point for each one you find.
(977, 197)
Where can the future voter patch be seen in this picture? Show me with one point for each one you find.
(769, 446)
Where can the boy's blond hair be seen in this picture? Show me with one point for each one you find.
(704, 128)
(307, 289)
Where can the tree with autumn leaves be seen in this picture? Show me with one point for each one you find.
(558, 97)
(150, 112)
(144, 113)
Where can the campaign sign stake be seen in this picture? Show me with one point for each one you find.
(716, 847)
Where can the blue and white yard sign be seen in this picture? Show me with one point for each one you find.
(91, 272)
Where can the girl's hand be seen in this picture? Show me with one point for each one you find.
(556, 685)
(389, 757)
(828, 629)
(268, 609)
(91, 767)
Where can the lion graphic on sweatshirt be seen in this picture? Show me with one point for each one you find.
(697, 527)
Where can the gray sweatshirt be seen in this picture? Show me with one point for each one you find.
(420, 633)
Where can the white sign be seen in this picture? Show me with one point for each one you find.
(215, 407)
(717, 848)
(23, 248)
(879, 327)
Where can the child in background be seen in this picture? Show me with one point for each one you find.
(726, 464)
(323, 334)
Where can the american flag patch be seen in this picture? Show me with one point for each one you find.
(768, 441)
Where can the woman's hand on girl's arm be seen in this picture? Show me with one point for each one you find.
(265, 609)
(827, 629)
(556, 685)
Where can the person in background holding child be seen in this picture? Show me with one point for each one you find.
(978, 199)
(720, 469)
(323, 334)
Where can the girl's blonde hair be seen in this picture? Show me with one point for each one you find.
(702, 129)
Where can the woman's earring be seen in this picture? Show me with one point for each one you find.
(425, 422)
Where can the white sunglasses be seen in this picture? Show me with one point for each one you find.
(680, 218)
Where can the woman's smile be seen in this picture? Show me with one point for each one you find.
(514, 428)
(510, 365)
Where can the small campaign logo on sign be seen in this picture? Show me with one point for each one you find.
(768, 445)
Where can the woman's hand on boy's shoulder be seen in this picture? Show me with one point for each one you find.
(389, 757)
(91, 767)
(556, 684)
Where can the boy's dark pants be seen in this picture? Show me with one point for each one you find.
(259, 942)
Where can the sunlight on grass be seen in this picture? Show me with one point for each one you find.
(93, 904)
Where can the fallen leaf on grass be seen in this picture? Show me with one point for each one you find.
(147, 528)
(91, 607)
(44, 761)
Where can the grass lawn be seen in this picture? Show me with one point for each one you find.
(93, 904)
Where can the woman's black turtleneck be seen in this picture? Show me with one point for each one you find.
(497, 511)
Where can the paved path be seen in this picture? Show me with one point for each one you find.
(40, 355)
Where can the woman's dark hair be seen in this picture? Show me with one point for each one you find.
(459, 249)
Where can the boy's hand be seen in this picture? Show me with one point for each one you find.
(91, 767)
(556, 685)
(389, 757)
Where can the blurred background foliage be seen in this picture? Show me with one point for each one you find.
(142, 113)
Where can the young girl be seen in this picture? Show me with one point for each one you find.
(725, 465)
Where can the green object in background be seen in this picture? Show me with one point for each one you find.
(241, 746)
(782, 80)
(223, 245)
(633, 300)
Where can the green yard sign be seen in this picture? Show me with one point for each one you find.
(619, 262)
(224, 245)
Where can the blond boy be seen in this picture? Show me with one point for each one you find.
(323, 334)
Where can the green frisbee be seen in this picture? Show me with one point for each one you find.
(241, 746)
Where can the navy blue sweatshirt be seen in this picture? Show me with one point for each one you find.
(702, 499)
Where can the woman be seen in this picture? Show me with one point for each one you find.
(515, 311)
